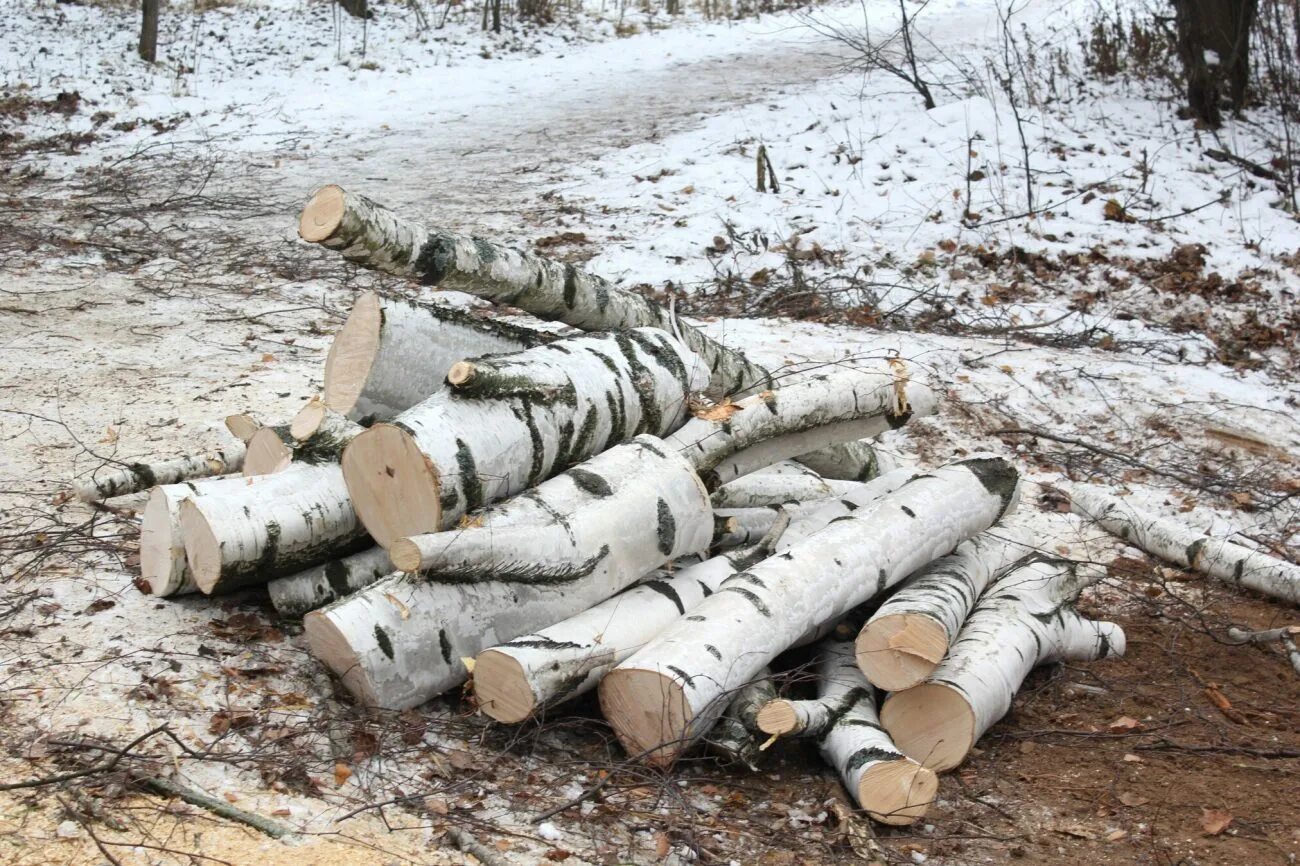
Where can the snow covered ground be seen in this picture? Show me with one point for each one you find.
(153, 284)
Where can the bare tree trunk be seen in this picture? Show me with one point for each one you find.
(1214, 46)
(149, 31)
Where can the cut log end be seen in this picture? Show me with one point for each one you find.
(308, 420)
(352, 354)
(267, 454)
(332, 649)
(460, 373)
(242, 427)
(394, 488)
(897, 792)
(648, 712)
(157, 565)
(405, 555)
(202, 550)
(323, 214)
(778, 719)
(932, 724)
(502, 688)
(898, 651)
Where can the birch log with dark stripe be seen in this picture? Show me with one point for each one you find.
(451, 454)
(783, 483)
(267, 526)
(1223, 560)
(316, 435)
(391, 353)
(910, 633)
(1025, 619)
(297, 594)
(522, 677)
(667, 694)
(807, 521)
(120, 479)
(616, 518)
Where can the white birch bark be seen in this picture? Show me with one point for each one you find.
(839, 405)
(316, 435)
(449, 454)
(529, 674)
(120, 479)
(297, 594)
(1024, 619)
(1173, 542)
(392, 353)
(666, 695)
(779, 485)
(623, 513)
(268, 526)
(910, 633)
(807, 521)
(891, 787)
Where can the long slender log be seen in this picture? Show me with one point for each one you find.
(780, 484)
(121, 479)
(910, 633)
(297, 594)
(391, 353)
(451, 454)
(666, 695)
(522, 677)
(621, 514)
(374, 237)
(890, 787)
(1173, 542)
(1023, 620)
(268, 526)
(807, 521)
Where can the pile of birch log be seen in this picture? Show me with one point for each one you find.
(587, 493)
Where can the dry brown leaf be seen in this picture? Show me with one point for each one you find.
(1077, 830)
(1132, 758)
(1214, 821)
(282, 813)
(110, 435)
(460, 759)
(662, 845)
(437, 806)
(558, 854)
(267, 358)
(1125, 724)
(1128, 798)
(1116, 835)
(342, 772)
(502, 845)
(231, 797)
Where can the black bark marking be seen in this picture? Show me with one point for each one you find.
(682, 675)
(542, 642)
(869, 755)
(435, 260)
(713, 651)
(747, 577)
(385, 645)
(570, 286)
(444, 645)
(532, 573)
(667, 529)
(486, 253)
(336, 575)
(750, 597)
(997, 475)
(695, 618)
(704, 587)
(469, 479)
(642, 381)
(909, 512)
(1194, 550)
(590, 482)
(665, 589)
(537, 464)
(882, 580)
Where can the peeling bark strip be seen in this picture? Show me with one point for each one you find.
(370, 235)
(391, 353)
(268, 526)
(843, 404)
(490, 583)
(1173, 542)
(1023, 620)
(525, 676)
(667, 695)
(296, 594)
(450, 454)
(122, 479)
(910, 633)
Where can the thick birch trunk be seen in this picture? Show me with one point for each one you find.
(667, 695)
(268, 526)
(1023, 620)
(1173, 542)
(316, 435)
(910, 633)
(449, 455)
(392, 353)
(371, 236)
(163, 571)
(616, 518)
(805, 522)
(297, 594)
(122, 479)
(527, 675)
(831, 407)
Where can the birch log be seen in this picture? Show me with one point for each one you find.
(391, 353)
(910, 633)
(735, 736)
(780, 484)
(450, 454)
(163, 571)
(620, 515)
(374, 237)
(297, 594)
(804, 522)
(1023, 620)
(1173, 542)
(242, 426)
(315, 436)
(522, 677)
(268, 526)
(666, 695)
(120, 479)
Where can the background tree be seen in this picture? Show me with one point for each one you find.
(1214, 46)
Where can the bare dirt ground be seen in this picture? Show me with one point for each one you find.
(146, 299)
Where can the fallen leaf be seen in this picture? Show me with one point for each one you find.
(558, 854)
(1125, 724)
(267, 358)
(1077, 830)
(1116, 835)
(1132, 758)
(233, 798)
(342, 772)
(110, 435)
(437, 806)
(1128, 798)
(282, 813)
(662, 846)
(502, 845)
(460, 759)
(1214, 821)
